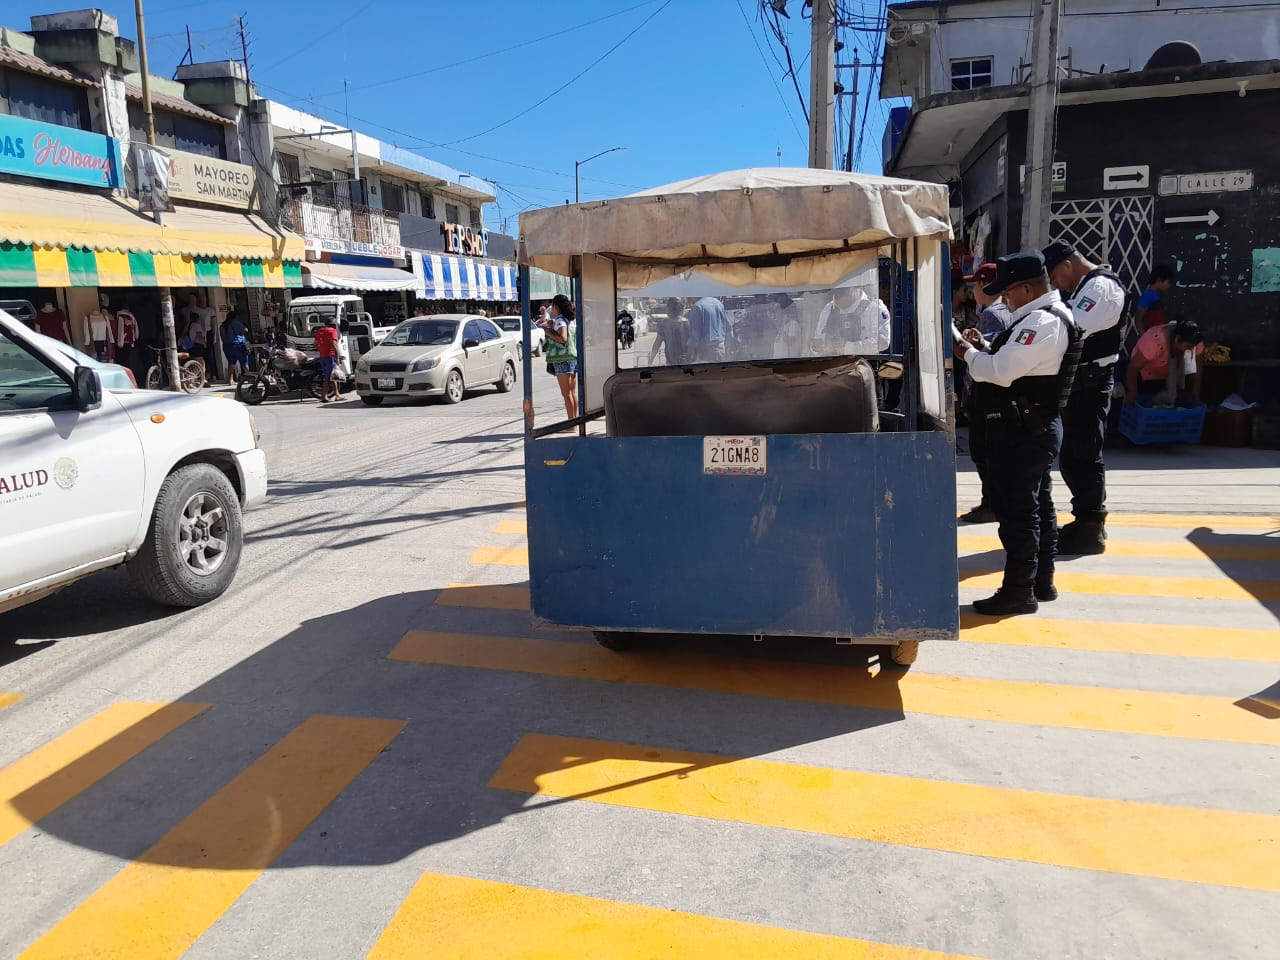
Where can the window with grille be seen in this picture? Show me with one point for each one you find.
(428, 205)
(451, 213)
(475, 219)
(323, 193)
(290, 171)
(967, 74)
(393, 197)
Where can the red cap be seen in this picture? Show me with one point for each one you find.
(984, 275)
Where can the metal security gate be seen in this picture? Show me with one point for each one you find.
(1111, 230)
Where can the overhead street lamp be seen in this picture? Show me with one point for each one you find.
(579, 163)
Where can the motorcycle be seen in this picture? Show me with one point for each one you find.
(626, 331)
(276, 372)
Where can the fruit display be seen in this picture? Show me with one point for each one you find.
(1216, 353)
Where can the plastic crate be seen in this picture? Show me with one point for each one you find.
(1143, 424)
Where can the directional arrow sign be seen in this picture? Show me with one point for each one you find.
(1126, 178)
(1207, 219)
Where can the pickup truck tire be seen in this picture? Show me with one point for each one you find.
(193, 545)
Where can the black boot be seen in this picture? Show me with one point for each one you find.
(1045, 591)
(1082, 538)
(1007, 603)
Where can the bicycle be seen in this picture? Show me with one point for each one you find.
(191, 371)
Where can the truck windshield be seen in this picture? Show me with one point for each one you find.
(303, 319)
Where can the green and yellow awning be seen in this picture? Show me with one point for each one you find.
(60, 238)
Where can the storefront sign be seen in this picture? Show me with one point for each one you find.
(385, 250)
(204, 179)
(29, 148)
(463, 240)
(1223, 181)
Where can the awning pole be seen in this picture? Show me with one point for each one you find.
(166, 296)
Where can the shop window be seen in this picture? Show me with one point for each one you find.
(392, 197)
(968, 74)
(428, 205)
(475, 219)
(43, 99)
(451, 213)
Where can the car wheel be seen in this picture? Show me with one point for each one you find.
(252, 392)
(193, 544)
(454, 388)
(370, 401)
(508, 378)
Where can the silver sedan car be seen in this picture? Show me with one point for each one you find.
(442, 355)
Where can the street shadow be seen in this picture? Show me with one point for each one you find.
(461, 723)
(283, 489)
(1265, 703)
(397, 524)
(1252, 561)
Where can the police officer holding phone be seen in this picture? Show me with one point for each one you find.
(1023, 377)
(1097, 302)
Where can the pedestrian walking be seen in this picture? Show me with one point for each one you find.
(1022, 379)
(326, 341)
(1096, 298)
(235, 346)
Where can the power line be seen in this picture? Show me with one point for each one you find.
(781, 36)
(566, 84)
(773, 82)
(493, 53)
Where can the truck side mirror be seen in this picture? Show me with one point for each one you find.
(86, 387)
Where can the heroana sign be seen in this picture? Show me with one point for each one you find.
(206, 180)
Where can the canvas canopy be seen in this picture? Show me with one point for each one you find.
(773, 227)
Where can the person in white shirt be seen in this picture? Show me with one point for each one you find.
(1097, 301)
(852, 323)
(1021, 378)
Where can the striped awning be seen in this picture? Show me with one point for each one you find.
(52, 237)
(22, 265)
(445, 277)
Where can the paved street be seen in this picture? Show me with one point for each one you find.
(364, 749)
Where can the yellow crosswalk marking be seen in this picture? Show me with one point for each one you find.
(1185, 716)
(8, 699)
(466, 919)
(1170, 640)
(484, 596)
(516, 527)
(501, 556)
(1114, 836)
(159, 905)
(1153, 549)
(1186, 588)
(33, 787)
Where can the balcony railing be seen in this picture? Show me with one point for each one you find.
(340, 219)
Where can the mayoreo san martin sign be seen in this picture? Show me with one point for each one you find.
(30, 148)
(206, 180)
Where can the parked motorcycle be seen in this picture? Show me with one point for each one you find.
(276, 372)
(626, 331)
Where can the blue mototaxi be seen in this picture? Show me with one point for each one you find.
(805, 487)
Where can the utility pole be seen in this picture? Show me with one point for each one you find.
(822, 86)
(166, 296)
(1037, 189)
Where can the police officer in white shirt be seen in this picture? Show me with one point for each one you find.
(852, 323)
(1022, 378)
(1097, 300)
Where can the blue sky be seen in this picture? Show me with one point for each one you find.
(693, 86)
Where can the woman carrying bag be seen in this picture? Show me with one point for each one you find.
(562, 351)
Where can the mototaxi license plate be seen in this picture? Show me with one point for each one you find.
(385, 383)
(734, 456)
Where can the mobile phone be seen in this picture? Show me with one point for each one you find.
(956, 334)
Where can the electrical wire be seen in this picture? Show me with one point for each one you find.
(577, 76)
(772, 80)
(781, 35)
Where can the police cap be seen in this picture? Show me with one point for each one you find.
(1057, 252)
(1016, 268)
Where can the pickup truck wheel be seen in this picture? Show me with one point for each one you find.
(369, 400)
(508, 378)
(192, 549)
(454, 387)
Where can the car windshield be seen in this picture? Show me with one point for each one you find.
(303, 319)
(422, 333)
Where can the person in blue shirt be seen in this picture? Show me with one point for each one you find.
(708, 330)
(1149, 310)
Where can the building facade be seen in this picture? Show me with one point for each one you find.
(1165, 148)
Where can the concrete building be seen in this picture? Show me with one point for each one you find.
(1166, 147)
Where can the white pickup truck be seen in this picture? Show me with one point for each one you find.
(92, 478)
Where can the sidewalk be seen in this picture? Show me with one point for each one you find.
(1177, 478)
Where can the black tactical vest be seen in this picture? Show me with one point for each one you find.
(1105, 343)
(1047, 393)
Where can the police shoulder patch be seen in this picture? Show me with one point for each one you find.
(1085, 304)
(1026, 337)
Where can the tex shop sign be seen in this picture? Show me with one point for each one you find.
(29, 148)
